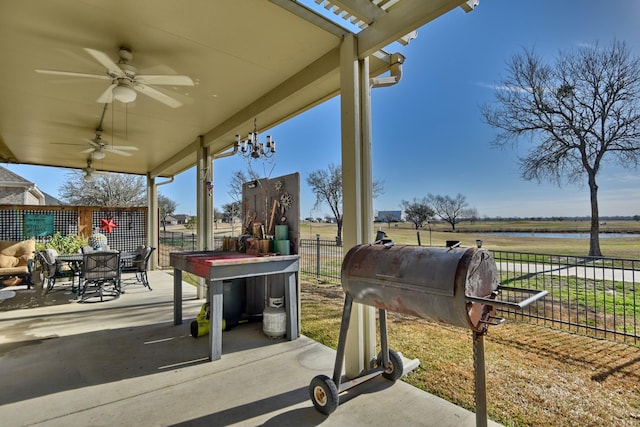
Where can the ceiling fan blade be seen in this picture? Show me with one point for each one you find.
(73, 74)
(122, 153)
(88, 150)
(157, 95)
(107, 95)
(164, 80)
(94, 143)
(120, 147)
(104, 59)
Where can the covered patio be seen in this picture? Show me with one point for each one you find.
(125, 363)
(252, 63)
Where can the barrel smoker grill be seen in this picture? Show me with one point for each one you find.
(452, 285)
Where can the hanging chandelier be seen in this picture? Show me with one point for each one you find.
(252, 148)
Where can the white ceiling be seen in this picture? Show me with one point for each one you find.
(267, 60)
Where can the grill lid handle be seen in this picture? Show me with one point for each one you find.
(536, 295)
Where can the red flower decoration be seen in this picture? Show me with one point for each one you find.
(108, 224)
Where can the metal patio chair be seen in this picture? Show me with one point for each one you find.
(100, 275)
(50, 268)
(141, 264)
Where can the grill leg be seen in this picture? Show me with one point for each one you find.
(342, 339)
(481, 383)
(384, 344)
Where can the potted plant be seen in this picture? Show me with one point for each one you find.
(69, 244)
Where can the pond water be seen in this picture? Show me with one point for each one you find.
(561, 235)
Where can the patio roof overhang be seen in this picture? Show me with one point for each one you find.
(264, 60)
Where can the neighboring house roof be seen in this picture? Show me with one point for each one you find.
(11, 177)
(181, 217)
(49, 200)
(17, 190)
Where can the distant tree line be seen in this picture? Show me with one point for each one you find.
(449, 209)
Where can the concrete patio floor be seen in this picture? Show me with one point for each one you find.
(124, 363)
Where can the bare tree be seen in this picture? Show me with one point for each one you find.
(234, 209)
(470, 214)
(418, 212)
(167, 207)
(230, 211)
(578, 113)
(235, 186)
(326, 184)
(388, 217)
(105, 189)
(450, 210)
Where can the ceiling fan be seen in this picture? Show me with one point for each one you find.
(125, 81)
(100, 146)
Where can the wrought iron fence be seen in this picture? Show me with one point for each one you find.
(321, 259)
(173, 241)
(590, 296)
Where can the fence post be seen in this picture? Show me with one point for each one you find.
(193, 241)
(317, 256)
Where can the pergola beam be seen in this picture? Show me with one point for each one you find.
(403, 18)
(361, 9)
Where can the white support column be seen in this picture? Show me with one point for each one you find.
(366, 199)
(204, 201)
(350, 129)
(153, 220)
(356, 188)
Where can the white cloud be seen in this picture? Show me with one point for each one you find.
(503, 87)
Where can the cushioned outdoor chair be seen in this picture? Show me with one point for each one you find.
(51, 268)
(16, 262)
(48, 268)
(100, 275)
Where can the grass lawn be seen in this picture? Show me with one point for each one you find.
(536, 376)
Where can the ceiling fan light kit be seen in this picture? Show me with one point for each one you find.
(124, 94)
(97, 155)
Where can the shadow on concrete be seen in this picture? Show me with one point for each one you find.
(58, 363)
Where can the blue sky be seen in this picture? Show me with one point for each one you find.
(428, 135)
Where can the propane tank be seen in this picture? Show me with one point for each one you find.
(274, 319)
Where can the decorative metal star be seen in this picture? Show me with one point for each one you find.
(108, 224)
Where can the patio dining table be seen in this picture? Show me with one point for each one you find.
(74, 261)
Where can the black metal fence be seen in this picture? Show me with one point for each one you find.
(321, 259)
(591, 296)
(174, 241)
(596, 297)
